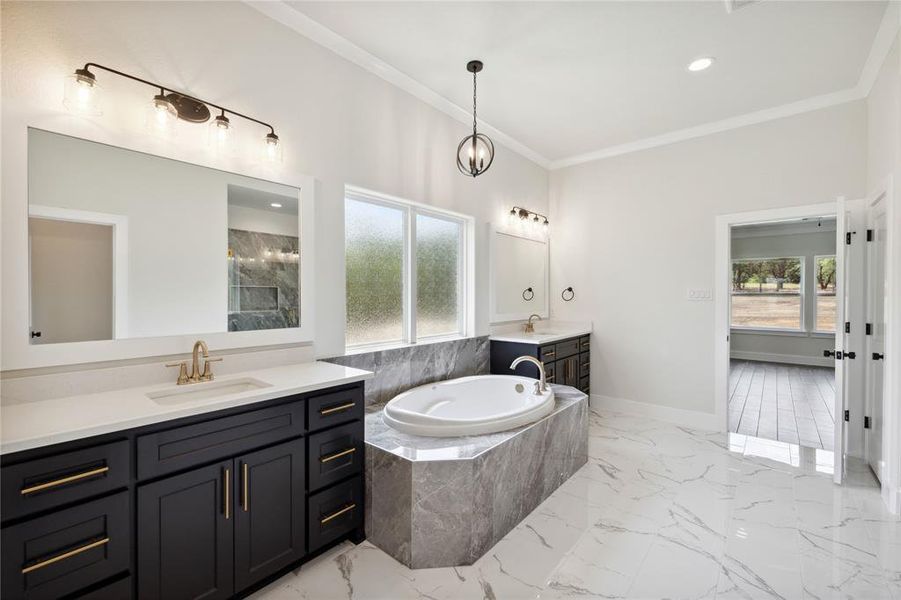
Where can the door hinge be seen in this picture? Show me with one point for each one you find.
(869, 329)
(851, 355)
(866, 422)
(847, 326)
(848, 238)
(869, 235)
(847, 415)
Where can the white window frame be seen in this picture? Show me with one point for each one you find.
(466, 270)
(816, 258)
(802, 327)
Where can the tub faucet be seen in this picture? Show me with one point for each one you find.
(530, 327)
(541, 384)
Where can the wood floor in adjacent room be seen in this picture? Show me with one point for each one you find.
(789, 403)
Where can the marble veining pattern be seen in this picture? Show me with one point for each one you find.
(659, 511)
(399, 369)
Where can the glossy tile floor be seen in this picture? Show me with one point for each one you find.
(660, 511)
(789, 403)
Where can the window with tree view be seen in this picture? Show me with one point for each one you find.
(405, 271)
(767, 293)
(825, 293)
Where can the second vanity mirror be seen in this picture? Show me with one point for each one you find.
(518, 276)
(125, 245)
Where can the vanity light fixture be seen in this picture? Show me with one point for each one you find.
(168, 106)
(524, 214)
(475, 153)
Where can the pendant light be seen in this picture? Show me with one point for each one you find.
(475, 152)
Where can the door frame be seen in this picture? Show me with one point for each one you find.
(722, 293)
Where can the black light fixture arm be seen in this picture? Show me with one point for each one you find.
(88, 66)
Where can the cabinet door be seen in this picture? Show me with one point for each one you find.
(568, 368)
(186, 535)
(270, 515)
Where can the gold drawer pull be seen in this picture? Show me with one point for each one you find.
(64, 480)
(64, 556)
(227, 494)
(331, 457)
(334, 409)
(549, 354)
(325, 520)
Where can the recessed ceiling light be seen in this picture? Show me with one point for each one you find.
(275, 205)
(699, 64)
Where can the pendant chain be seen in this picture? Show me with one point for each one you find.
(473, 103)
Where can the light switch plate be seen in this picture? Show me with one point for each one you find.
(700, 295)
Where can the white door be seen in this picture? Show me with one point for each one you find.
(876, 297)
(841, 226)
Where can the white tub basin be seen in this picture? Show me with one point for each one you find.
(468, 406)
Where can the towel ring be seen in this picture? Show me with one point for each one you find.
(572, 294)
(528, 291)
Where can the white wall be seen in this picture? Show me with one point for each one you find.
(799, 348)
(261, 220)
(338, 122)
(632, 233)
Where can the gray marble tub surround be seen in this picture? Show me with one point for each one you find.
(400, 369)
(436, 502)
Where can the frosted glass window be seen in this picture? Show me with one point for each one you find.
(374, 263)
(438, 243)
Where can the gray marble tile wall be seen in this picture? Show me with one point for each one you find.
(263, 281)
(400, 369)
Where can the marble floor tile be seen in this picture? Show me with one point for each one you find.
(659, 511)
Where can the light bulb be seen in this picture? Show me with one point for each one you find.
(162, 116)
(81, 94)
(272, 148)
(220, 132)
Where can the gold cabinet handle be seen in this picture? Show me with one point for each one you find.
(331, 457)
(227, 494)
(64, 480)
(334, 409)
(64, 556)
(548, 354)
(335, 515)
(245, 476)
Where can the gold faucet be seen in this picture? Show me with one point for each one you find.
(530, 327)
(200, 349)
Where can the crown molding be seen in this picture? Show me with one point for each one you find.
(315, 31)
(882, 44)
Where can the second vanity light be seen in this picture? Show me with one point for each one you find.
(82, 96)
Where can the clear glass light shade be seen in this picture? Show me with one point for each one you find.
(220, 135)
(272, 148)
(161, 117)
(81, 95)
(475, 154)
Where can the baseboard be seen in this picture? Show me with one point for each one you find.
(678, 416)
(790, 359)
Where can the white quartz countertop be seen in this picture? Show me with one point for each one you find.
(28, 425)
(540, 337)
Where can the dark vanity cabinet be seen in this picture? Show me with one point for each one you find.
(566, 361)
(212, 506)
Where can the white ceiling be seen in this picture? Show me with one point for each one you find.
(569, 79)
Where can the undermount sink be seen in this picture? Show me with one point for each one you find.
(205, 390)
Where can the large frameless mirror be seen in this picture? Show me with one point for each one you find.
(519, 276)
(124, 244)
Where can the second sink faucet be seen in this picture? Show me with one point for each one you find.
(530, 327)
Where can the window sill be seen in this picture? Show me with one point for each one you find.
(782, 332)
(364, 349)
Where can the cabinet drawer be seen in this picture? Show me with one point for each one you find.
(118, 590)
(547, 354)
(584, 385)
(334, 512)
(585, 343)
(335, 454)
(68, 550)
(550, 372)
(584, 365)
(567, 348)
(333, 408)
(52, 481)
(192, 445)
